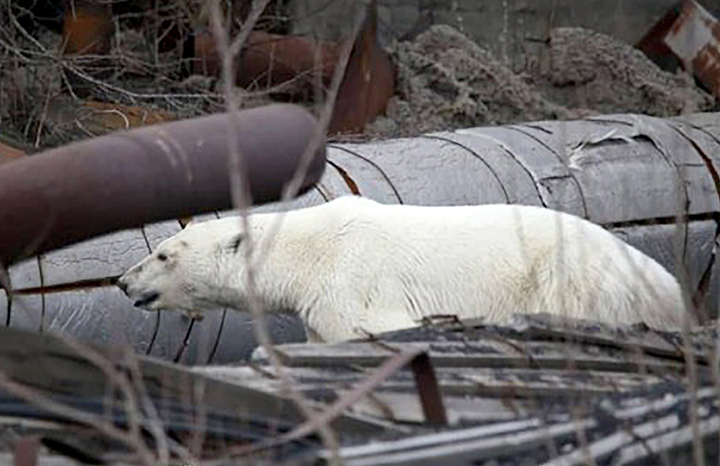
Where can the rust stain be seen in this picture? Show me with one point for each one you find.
(271, 60)
(369, 81)
(116, 116)
(9, 154)
(87, 29)
(707, 68)
(651, 44)
(351, 184)
(687, 11)
(692, 34)
(296, 63)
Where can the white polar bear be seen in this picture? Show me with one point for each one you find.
(354, 267)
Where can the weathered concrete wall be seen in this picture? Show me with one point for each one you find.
(511, 29)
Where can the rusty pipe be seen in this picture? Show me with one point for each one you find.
(271, 59)
(159, 172)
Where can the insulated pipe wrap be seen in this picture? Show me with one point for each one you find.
(632, 174)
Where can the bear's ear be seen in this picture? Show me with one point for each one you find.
(235, 243)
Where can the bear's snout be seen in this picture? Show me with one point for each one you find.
(122, 284)
(141, 298)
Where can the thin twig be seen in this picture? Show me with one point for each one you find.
(241, 196)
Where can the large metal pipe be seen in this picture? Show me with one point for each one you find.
(160, 172)
(632, 174)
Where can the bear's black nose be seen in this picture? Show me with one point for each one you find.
(122, 285)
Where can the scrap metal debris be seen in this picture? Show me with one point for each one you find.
(692, 35)
(297, 64)
(617, 393)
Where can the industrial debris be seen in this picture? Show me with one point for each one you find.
(692, 35)
(554, 390)
(447, 81)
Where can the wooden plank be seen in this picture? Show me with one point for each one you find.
(666, 443)
(608, 445)
(469, 450)
(357, 452)
(42, 460)
(560, 329)
(482, 382)
(406, 408)
(478, 354)
(50, 365)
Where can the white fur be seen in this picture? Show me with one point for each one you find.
(353, 266)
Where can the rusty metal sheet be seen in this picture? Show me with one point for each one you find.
(147, 175)
(556, 184)
(695, 38)
(369, 81)
(295, 64)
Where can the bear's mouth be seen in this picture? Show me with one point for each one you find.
(147, 298)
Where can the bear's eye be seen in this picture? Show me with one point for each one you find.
(162, 257)
(235, 243)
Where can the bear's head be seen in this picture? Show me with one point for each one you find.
(193, 271)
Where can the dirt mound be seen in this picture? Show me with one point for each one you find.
(446, 81)
(592, 70)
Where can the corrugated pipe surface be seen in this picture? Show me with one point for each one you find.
(635, 175)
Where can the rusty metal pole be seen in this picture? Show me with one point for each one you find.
(160, 172)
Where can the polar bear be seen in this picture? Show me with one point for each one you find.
(354, 267)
